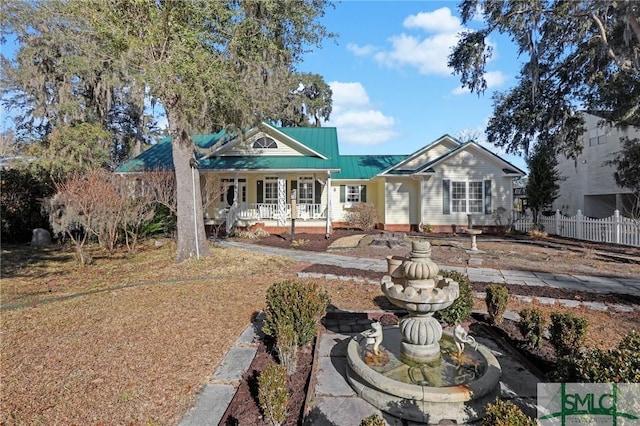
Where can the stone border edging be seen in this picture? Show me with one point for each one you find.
(213, 399)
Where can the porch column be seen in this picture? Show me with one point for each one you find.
(235, 190)
(282, 201)
(421, 203)
(328, 190)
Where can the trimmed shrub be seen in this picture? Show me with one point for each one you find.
(461, 309)
(297, 303)
(373, 420)
(287, 347)
(506, 413)
(273, 394)
(531, 325)
(497, 300)
(567, 332)
(363, 216)
(619, 365)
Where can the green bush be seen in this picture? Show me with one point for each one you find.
(531, 325)
(162, 224)
(506, 413)
(287, 347)
(497, 300)
(297, 303)
(273, 394)
(461, 309)
(619, 365)
(21, 196)
(567, 332)
(373, 420)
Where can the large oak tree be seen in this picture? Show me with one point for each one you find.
(210, 65)
(579, 55)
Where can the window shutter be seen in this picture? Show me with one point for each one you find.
(363, 193)
(342, 193)
(487, 197)
(446, 199)
(317, 192)
(259, 192)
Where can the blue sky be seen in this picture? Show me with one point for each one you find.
(392, 90)
(387, 68)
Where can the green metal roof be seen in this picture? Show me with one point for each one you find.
(365, 166)
(323, 140)
(267, 162)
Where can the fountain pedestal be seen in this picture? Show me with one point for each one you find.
(424, 377)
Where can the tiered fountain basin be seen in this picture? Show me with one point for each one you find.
(416, 371)
(452, 390)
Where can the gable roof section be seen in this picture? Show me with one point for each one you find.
(365, 166)
(395, 169)
(507, 167)
(304, 140)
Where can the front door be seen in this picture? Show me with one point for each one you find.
(242, 193)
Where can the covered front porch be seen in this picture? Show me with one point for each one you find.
(267, 201)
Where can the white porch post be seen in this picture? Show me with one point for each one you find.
(235, 190)
(420, 223)
(282, 201)
(328, 190)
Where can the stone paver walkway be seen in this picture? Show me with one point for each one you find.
(578, 282)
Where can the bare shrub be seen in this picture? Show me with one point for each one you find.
(362, 216)
(101, 204)
(162, 184)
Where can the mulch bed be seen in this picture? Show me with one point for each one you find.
(245, 409)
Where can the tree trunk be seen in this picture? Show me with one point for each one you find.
(192, 240)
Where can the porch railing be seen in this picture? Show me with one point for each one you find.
(269, 211)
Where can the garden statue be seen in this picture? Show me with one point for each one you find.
(461, 337)
(374, 337)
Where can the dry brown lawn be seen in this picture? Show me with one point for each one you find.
(132, 338)
(134, 355)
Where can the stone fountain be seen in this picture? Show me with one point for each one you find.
(417, 371)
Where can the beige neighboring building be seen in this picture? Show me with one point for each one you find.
(588, 184)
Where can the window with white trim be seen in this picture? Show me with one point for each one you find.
(305, 190)
(352, 194)
(467, 197)
(475, 197)
(458, 197)
(265, 143)
(271, 190)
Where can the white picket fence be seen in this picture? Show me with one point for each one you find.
(615, 229)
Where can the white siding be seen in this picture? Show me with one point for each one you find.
(401, 201)
(475, 167)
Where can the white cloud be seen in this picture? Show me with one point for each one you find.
(357, 50)
(357, 121)
(427, 52)
(348, 94)
(438, 21)
(494, 79)
(429, 55)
